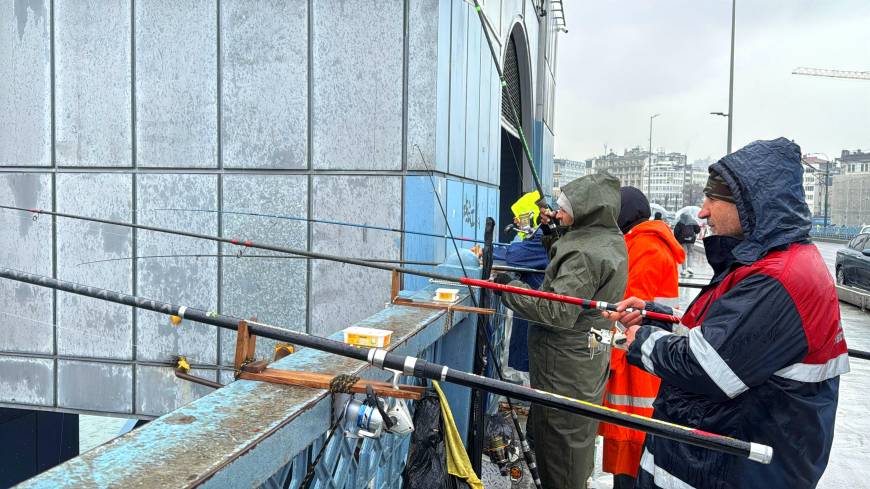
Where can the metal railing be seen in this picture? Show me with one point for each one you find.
(844, 233)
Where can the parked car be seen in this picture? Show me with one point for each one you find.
(853, 262)
(864, 229)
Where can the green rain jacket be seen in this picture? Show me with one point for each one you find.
(589, 261)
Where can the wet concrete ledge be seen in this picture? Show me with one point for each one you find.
(854, 296)
(241, 434)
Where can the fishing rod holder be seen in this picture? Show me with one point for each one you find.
(247, 367)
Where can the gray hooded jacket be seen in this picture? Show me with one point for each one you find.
(589, 261)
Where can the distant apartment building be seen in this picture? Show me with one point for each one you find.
(628, 167)
(856, 161)
(668, 176)
(814, 183)
(849, 199)
(565, 170)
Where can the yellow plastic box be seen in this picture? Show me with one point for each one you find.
(446, 295)
(368, 337)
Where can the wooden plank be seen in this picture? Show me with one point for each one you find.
(243, 336)
(396, 285)
(252, 345)
(322, 381)
(444, 307)
(255, 367)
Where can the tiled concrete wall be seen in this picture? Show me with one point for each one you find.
(232, 118)
(26, 84)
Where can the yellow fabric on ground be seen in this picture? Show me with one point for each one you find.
(458, 463)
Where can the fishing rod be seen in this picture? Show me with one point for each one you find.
(413, 366)
(863, 355)
(322, 221)
(500, 268)
(584, 303)
(542, 201)
(478, 431)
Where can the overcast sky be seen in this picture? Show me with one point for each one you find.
(622, 61)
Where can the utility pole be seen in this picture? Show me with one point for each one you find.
(731, 83)
(827, 181)
(649, 165)
(827, 174)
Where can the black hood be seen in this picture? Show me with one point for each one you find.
(634, 209)
(766, 178)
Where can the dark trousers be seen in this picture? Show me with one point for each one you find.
(622, 481)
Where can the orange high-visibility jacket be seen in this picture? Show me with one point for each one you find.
(653, 256)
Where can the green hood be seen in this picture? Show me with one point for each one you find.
(594, 200)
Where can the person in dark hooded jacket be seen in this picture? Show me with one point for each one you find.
(686, 231)
(765, 348)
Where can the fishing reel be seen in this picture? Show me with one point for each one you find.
(372, 416)
(601, 340)
(505, 456)
(525, 224)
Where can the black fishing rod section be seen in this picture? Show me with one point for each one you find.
(477, 433)
(863, 355)
(413, 366)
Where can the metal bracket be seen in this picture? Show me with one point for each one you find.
(247, 367)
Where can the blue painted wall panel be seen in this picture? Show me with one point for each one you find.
(470, 221)
(453, 204)
(458, 42)
(492, 208)
(495, 128)
(485, 117)
(481, 210)
(472, 99)
(422, 213)
(442, 123)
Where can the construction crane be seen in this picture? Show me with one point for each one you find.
(856, 75)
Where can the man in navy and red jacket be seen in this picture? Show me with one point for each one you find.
(760, 350)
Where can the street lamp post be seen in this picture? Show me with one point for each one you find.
(731, 82)
(723, 114)
(649, 165)
(827, 182)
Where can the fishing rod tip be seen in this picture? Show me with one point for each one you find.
(760, 453)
